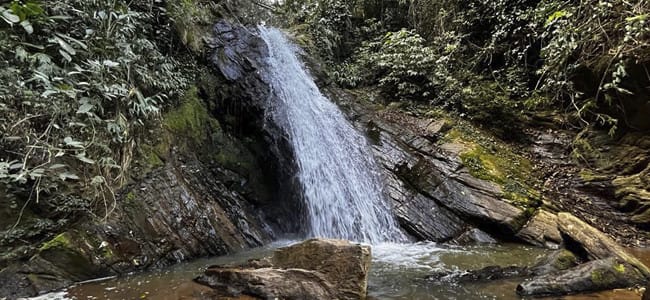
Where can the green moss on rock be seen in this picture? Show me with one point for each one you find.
(60, 241)
(619, 268)
(191, 118)
(565, 260)
(501, 166)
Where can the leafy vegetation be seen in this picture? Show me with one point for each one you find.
(482, 58)
(82, 81)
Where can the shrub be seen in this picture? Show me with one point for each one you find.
(81, 80)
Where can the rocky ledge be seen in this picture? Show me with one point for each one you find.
(606, 265)
(590, 262)
(314, 269)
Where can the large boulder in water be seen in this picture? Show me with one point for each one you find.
(608, 265)
(597, 275)
(593, 244)
(314, 269)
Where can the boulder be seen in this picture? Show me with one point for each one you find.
(559, 260)
(314, 269)
(585, 240)
(268, 283)
(602, 274)
(541, 230)
(344, 264)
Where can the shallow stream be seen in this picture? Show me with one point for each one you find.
(398, 271)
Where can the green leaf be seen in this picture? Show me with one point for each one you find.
(82, 157)
(37, 173)
(27, 26)
(67, 175)
(98, 180)
(85, 108)
(13, 138)
(57, 166)
(65, 46)
(9, 16)
(69, 38)
(72, 143)
(556, 15)
(65, 55)
(16, 166)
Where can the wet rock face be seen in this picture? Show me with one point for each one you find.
(193, 201)
(314, 269)
(182, 212)
(239, 100)
(174, 214)
(434, 196)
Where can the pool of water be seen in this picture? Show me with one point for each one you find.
(398, 271)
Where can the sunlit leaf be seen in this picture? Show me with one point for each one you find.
(85, 108)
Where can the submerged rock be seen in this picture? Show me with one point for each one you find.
(314, 269)
(488, 273)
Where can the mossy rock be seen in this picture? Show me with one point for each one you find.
(191, 118)
(489, 159)
(72, 253)
(193, 20)
(564, 260)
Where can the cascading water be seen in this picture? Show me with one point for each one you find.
(339, 177)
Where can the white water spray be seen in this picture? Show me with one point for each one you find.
(339, 177)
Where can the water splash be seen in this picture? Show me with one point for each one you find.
(339, 177)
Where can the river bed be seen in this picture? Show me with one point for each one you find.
(398, 272)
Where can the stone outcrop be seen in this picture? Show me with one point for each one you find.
(434, 196)
(176, 213)
(583, 239)
(559, 260)
(607, 266)
(602, 274)
(541, 230)
(239, 101)
(314, 269)
(439, 177)
(473, 236)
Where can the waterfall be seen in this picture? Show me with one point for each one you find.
(340, 180)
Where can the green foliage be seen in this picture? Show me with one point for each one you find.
(78, 90)
(580, 54)
(327, 22)
(589, 58)
(399, 62)
(607, 38)
(193, 20)
(406, 68)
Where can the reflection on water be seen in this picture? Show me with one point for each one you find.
(398, 271)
